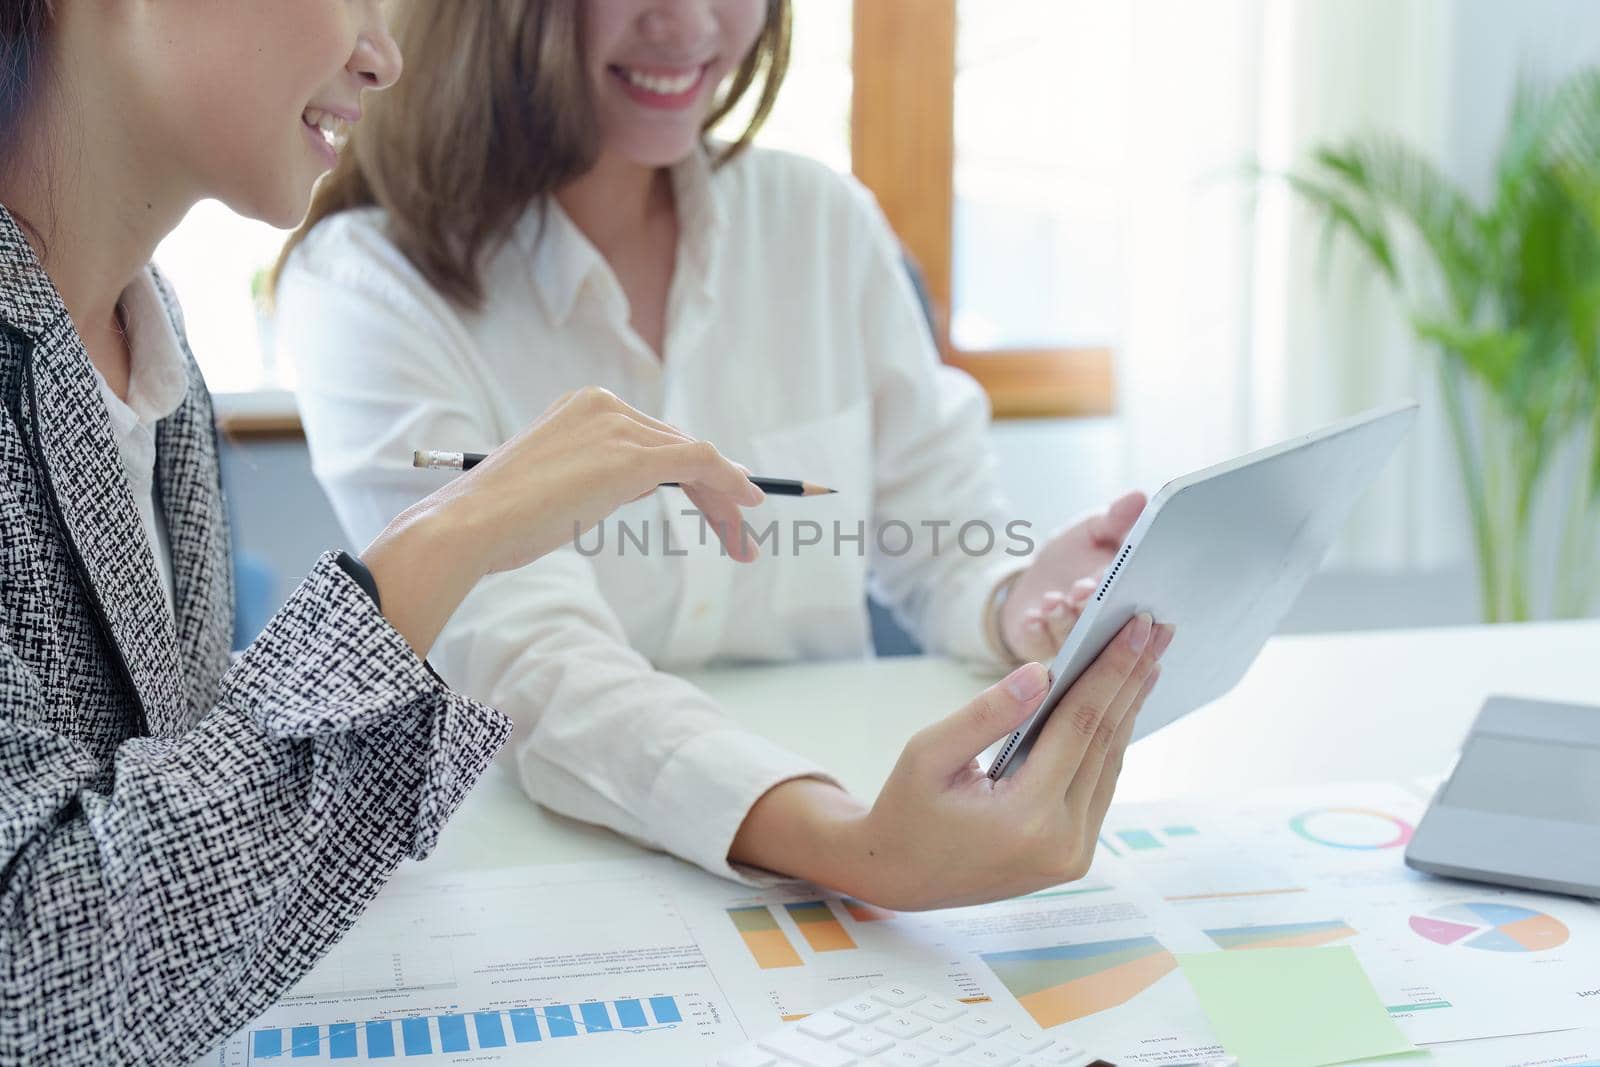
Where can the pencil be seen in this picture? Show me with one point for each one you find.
(433, 459)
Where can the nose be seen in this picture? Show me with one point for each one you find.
(376, 60)
(683, 25)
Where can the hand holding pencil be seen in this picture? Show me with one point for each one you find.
(587, 455)
(434, 459)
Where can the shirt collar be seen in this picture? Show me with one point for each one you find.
(563, 259)
(158, 378)
(701, 217)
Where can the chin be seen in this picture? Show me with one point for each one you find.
(660, 151)
(284, 208)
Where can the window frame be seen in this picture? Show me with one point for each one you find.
(902, 146)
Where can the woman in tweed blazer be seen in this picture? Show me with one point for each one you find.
(180, 840)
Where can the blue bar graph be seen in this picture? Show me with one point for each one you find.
(453, 1034)
(342, 1041)
(525, 1025)
(558, 1020)
(376, 1038)
(414, 1034)
(490, 1033)
(630, 1013)
(595, 1017)
(380, 1039)
(305, 1041)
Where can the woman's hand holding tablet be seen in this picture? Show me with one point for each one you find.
(941, 833)
(1048, 597)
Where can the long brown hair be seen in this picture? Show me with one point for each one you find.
(24, 27)
(493, 113)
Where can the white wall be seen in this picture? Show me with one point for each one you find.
(1495, 42)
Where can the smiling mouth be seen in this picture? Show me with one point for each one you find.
(334, 130)
(659, 83)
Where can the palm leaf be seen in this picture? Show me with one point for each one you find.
(1509, 293)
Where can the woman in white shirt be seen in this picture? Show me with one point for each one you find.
(536, 209)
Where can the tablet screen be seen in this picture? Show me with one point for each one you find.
(1534, 779)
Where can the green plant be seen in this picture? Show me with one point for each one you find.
(1508, 292)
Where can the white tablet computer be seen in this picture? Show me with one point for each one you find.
(1222, 554)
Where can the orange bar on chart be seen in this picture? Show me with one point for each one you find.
(820, 926)
(763, 937)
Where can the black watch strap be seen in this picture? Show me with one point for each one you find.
(359, 574)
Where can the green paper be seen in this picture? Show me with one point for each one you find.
(1292, 1007)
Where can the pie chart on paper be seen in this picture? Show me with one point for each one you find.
(1491, 927)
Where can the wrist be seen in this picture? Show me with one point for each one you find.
(805, 828)
(998, 611)
(423, 569)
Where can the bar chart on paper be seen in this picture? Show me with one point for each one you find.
(816, 920)
(563, 966)
(413, 1036)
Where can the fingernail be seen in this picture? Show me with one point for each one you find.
(1058, 610)
(1027, 681)
(1164, 636)
(756, 494)
(1139, 635)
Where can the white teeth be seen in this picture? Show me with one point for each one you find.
(334, 130)
(661, 86)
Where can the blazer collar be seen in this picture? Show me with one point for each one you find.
(28, 301)
(190, 494)
(81, 467)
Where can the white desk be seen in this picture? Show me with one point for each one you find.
(1387, 706)
(1381, 706)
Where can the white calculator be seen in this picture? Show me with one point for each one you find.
(902, 1026)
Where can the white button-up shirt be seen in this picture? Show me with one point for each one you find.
(158, 380)
(795, 343)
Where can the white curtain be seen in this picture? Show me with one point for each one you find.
(1236, 334)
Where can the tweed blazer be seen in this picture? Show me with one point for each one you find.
(180, 839)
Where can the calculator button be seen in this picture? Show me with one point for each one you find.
(904, 1027)
(826, 1027)
(946, 1042)
(982, 1025)
(862, 1011)
(749, 1056)
(1025, 1041)
(896, 996)
(806, 1050)
(939, 1009)
(908, 1056)
(1059, 1053)
(989, 1056)
(865, 1042)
